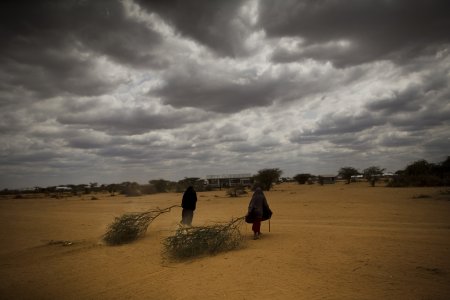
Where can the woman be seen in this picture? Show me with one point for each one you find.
(188, 204)
(258, 210)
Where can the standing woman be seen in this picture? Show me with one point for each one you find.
(258, 210)
(188, 204)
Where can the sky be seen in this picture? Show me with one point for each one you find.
(113, 91)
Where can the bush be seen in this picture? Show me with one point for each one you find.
(160, 185)
(236, 191)
(194, 241)
(131, 226)
(148, 189)
(266, 177)
(302, 178)
(421, 180)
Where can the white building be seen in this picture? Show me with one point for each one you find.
(227, 180)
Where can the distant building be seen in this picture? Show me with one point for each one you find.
(63, 189)
(327, 179)
(356, 178)
(228, 180)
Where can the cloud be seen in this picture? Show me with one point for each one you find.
(136, 120)
(359, 31)
(229, 88)
(51, 47)
(218, 25)
(221, 91)
(137, 90)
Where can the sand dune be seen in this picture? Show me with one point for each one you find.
(326, 242)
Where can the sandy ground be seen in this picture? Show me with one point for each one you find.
(326, 242)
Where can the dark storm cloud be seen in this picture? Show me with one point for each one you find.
(398, 30)
(131, 120)
(88, 142)
(48, 45)
(211, 93)
(253, 147)
(407, 101)
(53, 74)
(342, 123)
(124, 151)
(180, 88)
(430, 117)
(303, 138)
(214, 24)
(229, 90)
(12, 123)
(397, 140)
(30, 157)
(418, 106)
(436, 144)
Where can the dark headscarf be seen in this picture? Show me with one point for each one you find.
(258, 203)
(189, 199)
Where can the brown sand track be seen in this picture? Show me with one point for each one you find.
(326, 242)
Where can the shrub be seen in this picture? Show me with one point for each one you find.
(160, 185)
(131, 226)
(266, 177)
(422, 180)
(236, 191)
(194, 241)
(302, 178)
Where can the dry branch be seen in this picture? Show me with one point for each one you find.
(131, 226)
(193, 241)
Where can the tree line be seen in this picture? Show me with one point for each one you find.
(418, 173)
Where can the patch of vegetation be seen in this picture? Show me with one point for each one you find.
(302, 178)
(266, 177)
(423, 173)
(373, 174)
(236, 191)
(347, 173)
(131, 226)
(195, 241)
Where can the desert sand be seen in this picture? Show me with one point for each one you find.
(325, 242)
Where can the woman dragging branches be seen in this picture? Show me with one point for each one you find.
(258, 210)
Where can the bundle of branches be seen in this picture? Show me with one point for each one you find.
(193, 241)
(131, 226)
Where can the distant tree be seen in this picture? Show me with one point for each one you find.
(113, 189)
(443, 171)
(422, 173)
(132, 189)
(160, 185)
(347, 173)
(266, 177)
(190, 181)
(302, 178)
(419, 168)
(372, 174)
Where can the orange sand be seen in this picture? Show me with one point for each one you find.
(326, 242)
